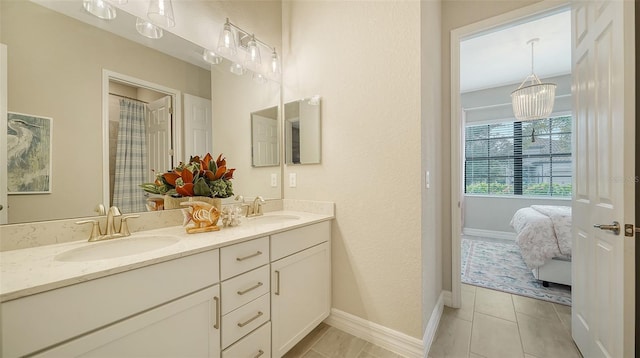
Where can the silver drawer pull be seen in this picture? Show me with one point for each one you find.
(216, 325)
(250, 319)
(248, 257)
(250, 288)
(260, 353)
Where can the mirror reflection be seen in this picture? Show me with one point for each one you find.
(264, 137)
(57, 68)
(302, 131)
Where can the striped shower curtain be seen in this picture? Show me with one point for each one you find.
(131, 157)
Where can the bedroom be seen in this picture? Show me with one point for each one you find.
(509, 164)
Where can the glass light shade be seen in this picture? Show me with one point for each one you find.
(275, 63)
(227, 42)
(211, 57)
(100, 8)
(161, 13)
(259, 78)
(147, 29)
(253, 60)
(534, 101)
(237, 69)
(121, 2)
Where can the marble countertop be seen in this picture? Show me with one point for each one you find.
(29, 271)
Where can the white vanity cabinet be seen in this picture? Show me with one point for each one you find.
(300, 284)
(187, 327)
(246, 307)
(121, 311)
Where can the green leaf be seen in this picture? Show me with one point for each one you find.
(201, 188)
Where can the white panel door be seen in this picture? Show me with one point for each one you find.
(198, 127)
(603, 293)
(265, 140)
(4, 206)
(159, 145)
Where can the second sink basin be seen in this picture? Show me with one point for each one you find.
(276, 218)
(118, 247)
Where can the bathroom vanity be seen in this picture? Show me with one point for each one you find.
(250, 291)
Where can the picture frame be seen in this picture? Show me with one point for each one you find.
(29, 153)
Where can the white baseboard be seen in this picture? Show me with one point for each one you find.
(377, 334)
(432, 325)
(489, 233)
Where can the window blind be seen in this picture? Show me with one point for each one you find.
(530, 158)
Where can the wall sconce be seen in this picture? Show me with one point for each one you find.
(147, 29)
(161, 13)
(100, 9)
(253, 60)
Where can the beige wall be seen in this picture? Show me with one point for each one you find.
(431, 108)
(363, 58)
(55, 70)
(455, 14)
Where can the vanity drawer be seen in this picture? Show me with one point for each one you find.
(244, 288)
(239, 258)
(257, 344)
(289, 242)
(245, 319)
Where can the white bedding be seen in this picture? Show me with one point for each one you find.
(543, 232)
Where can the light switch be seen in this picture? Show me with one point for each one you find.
(427, 179)
(293, 180)
(274, 180)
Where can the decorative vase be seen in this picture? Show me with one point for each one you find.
(174, 203)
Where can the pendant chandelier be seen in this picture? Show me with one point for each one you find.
(533, 99)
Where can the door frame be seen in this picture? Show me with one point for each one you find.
(522, 15)
(177, 129)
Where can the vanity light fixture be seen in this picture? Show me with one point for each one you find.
(161, 13)
(535, 100)
(233, 37)
(211, 57)
(100, 9)
(147, 29)
(227, 42)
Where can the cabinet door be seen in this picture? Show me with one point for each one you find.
(187, 327)
(300, 296)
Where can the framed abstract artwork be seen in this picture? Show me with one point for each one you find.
(28, 153)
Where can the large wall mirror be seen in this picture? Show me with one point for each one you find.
(56, 65)
(302, 129)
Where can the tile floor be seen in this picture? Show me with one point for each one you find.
(497, 324)
(489, 324)
(328, 342)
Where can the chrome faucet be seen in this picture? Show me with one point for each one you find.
(111, 232)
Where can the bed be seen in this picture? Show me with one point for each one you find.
(544, 237)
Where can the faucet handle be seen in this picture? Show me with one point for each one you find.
(124, 226)
(95, 229)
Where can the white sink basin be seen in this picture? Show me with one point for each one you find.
(118, 247)
(276, 218)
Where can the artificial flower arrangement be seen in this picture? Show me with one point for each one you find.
(198, 177)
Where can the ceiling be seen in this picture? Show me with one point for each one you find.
(503, 56)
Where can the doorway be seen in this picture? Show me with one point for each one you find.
(162, 122)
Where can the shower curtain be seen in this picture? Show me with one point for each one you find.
(131, 156)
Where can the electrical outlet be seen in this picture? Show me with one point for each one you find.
(293, 180)
(274, 180)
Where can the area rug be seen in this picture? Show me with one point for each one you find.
(498, 265)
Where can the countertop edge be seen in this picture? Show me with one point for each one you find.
(84, 277)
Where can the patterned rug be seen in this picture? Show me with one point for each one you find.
(498, 265)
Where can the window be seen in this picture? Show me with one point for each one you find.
(530, 158)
